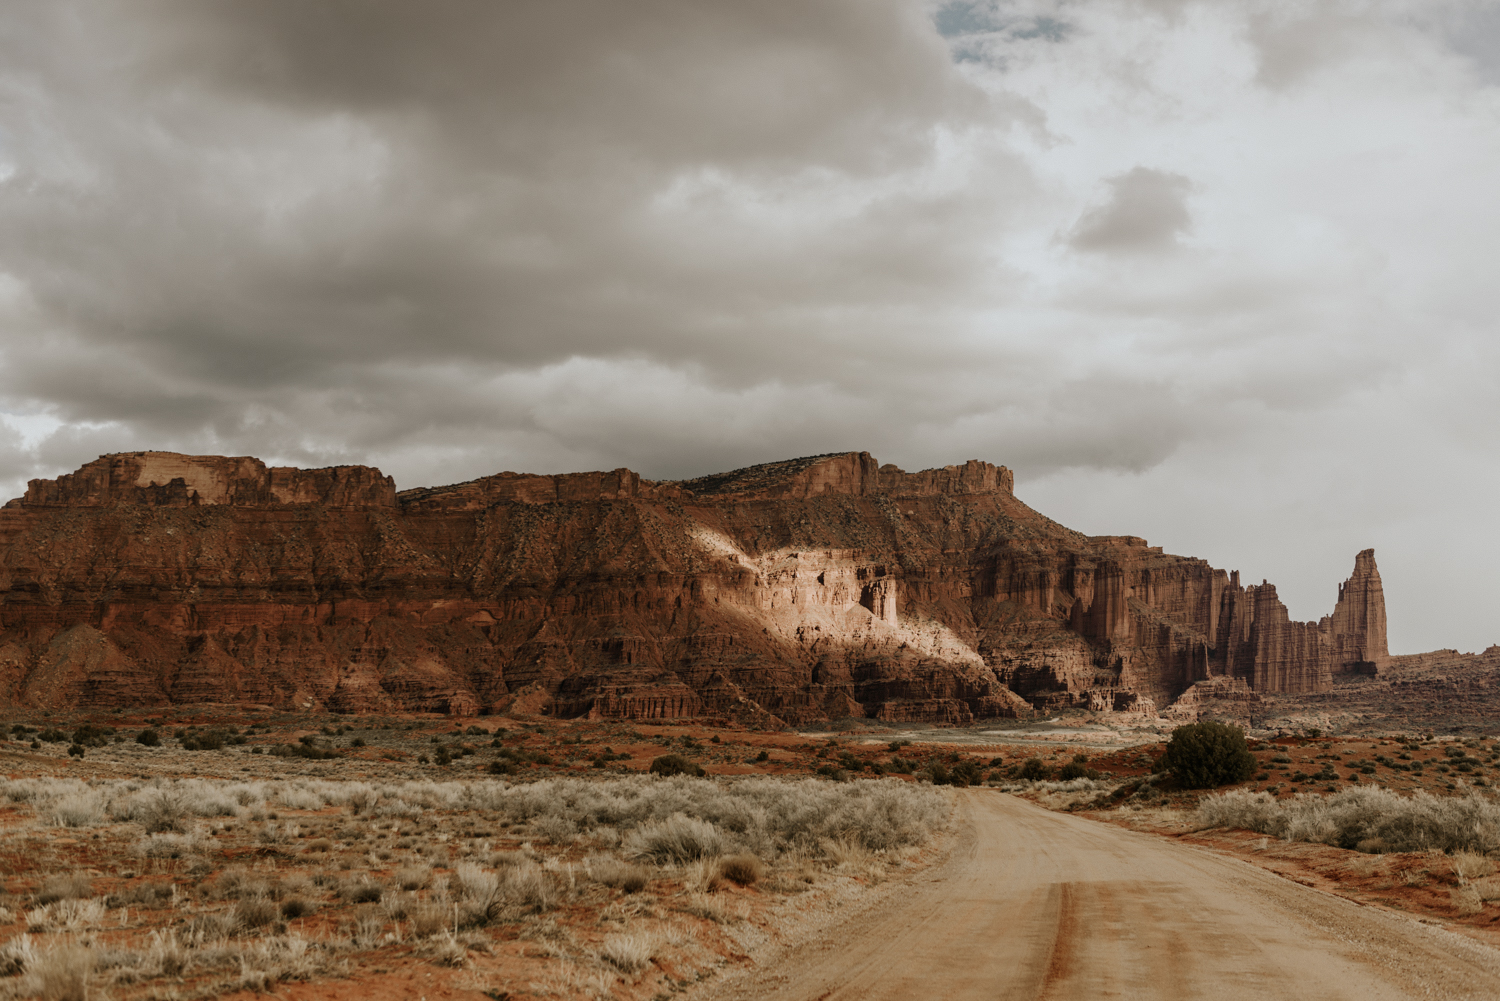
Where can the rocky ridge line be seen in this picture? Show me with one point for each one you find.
(793, 592)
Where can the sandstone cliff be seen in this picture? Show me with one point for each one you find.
(816, 588)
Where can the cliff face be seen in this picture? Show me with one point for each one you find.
(816, 588)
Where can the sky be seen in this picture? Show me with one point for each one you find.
(1218, 274)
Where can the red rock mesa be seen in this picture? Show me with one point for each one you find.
(798, 591)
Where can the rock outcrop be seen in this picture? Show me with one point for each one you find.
(812, 589)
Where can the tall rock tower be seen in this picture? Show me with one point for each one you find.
(1356, 629)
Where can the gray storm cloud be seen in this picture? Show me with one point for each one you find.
(1146, 210)
(1200, 271)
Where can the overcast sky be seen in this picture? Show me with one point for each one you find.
(1220, 274)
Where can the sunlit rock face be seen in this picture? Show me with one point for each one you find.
(795, 592)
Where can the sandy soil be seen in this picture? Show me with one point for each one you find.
(1035, 904)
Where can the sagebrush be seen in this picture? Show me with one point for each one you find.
(1368, 818)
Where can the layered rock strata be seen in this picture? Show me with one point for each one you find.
(812, 589)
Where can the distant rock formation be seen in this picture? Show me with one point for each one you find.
(793, 592)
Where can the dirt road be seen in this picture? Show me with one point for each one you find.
(1033, 904)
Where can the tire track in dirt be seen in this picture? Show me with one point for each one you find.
(1031, 905)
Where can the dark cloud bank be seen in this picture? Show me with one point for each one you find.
(1213, 273)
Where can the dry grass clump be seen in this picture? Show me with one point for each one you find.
(1465, 900)
(612, 872)
(62, 974)
(427, 921)
(362, 892)
(413, 877)
(296, 907)
(17, 956)
(66, 886)
(65, 915)
(628, 953)
(713, 907)
(1377, 818)
(743, 869)
(1468, 866)
(678, 839)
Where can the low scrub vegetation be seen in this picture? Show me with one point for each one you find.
(222, 885)
(1369, 819)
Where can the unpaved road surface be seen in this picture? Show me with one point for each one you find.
(1033, 904)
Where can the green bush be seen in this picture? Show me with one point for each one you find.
(149, 738)
(89, 735)
(1033, 770)
(674, 764)
(1206, 755)
(300, 750)
(204, 740)
(966, 773)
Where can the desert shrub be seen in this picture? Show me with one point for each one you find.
(527, 885)
(295, 907)
(300, 750)
(162, 810)
(67, 886)
(82, 809)
(52, 735)
(743, 869)
(1467, 866)
(361, 893)
(413, 877)
(612, 872)
(166, 845)
(966, 773)
(17, 956)
(1366, 814)
(427, 921)
(252, 914)
(556, 830)
(1206, 755)
(89, 735)
(62, 974)
(1033, 770)
(148, 738)
(155, 894)
(362, 799)
(626, 952)
(1074, 770)
(476, 884)
(68, 915)
(204, 740)
(679, 838)
(674, 764)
